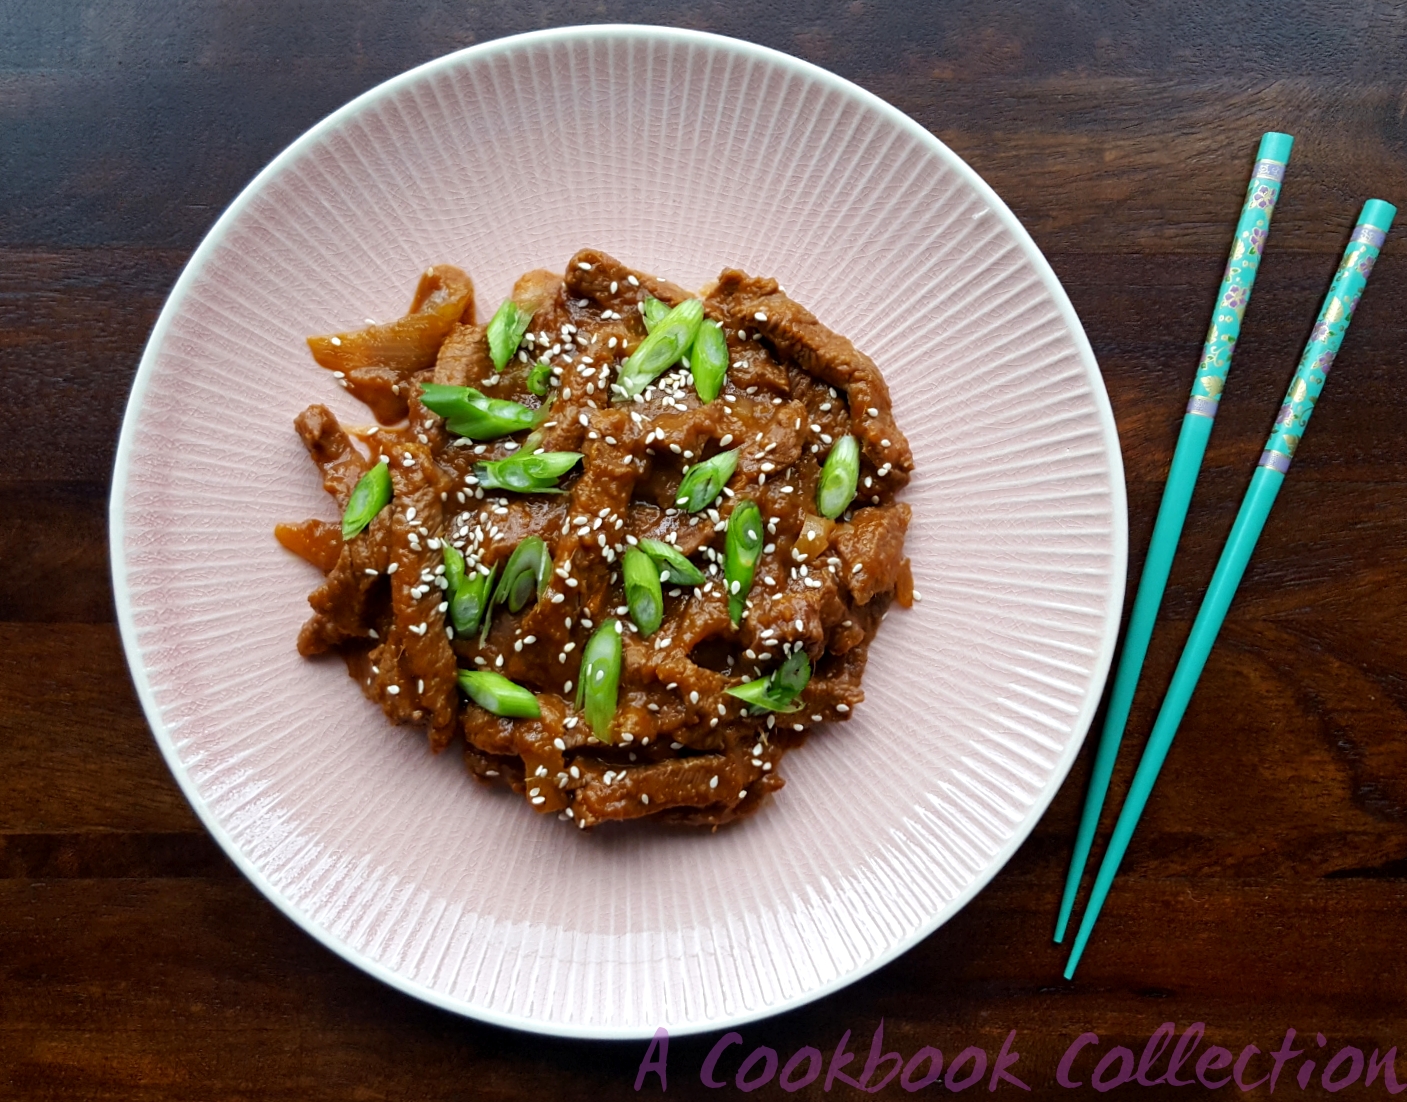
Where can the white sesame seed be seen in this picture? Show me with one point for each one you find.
(584, 266)
(760, 316)
(394, 690)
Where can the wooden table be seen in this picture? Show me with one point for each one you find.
(1265, 889)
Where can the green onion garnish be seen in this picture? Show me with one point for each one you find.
(527, 474)
(454, 567)
(654, 312)
(495, 693)
(469, 600)
(793, 674)
(469, 412)
(708, 360)
(599, 679)
(643, 595)
(525, 575)
(538, 376)
(371, 494)
(839, 477)
(704, 482)
(505, 332)
(741, 549)
(674, 567)
(777, 692)
(486, 605)
(661, 350)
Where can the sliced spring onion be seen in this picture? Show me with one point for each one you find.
(598, 682)
(525, 575)
(708, 360)
(454, 568)
(792, 675)
(527, 474)
(486, 614)
(495, 693)
(371, 494)
(505, 332)
(469, 601)
(447, 401)
(653, 311)
(778, 691)
(538, 376)
(643, 595)
(704, 482)
(661, 350)
(674, 568)
(469, 412)
(741, 549)
(839, 477)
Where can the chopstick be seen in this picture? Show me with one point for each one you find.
(1231, 300)
(1290, 423)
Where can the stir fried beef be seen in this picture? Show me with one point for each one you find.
(679, 747)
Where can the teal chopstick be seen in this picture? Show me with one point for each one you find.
(1324, 341)
(1246, 250)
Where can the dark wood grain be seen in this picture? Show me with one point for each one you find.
(1267, 886)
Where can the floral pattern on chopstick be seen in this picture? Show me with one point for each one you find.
(1323, 346)
(1236, 282)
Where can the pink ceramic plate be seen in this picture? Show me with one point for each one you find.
(679, 153)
